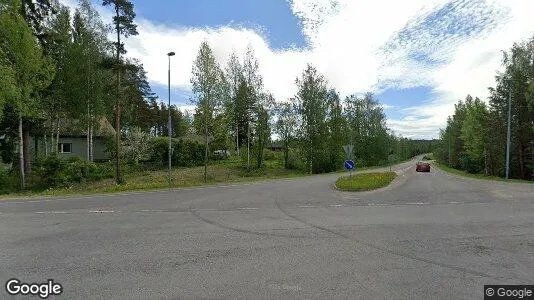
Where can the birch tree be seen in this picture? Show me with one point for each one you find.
(207, 79)
(31, 70)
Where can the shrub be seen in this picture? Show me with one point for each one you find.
(9, 180)
(269, 154)
(53, 171)
(136, 147)
(185, 153)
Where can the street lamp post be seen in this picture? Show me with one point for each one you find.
(169, 108)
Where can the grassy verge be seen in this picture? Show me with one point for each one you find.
(476, 176)
(223, 171)
(365, 182)
(181, 177)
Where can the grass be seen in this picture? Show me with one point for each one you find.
(428, 156)
(477, 176)
(219, 172)
(365, 182)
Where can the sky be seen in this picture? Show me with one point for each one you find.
(419, 57)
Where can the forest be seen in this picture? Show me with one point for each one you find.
(65, 71)
(475, 138)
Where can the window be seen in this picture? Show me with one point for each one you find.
(64, 147)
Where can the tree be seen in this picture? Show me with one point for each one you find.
(63, 86)
(206, 79)
(336, 129)
(234, 75)
(251, 89)
(31, 70)
(473, 135)
(8, 85)
(286, 126)
(36, 12)
(311, 102)
(90, 48)
(262, 130)
(124, 26)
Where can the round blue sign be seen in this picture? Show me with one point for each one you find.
(349, 164)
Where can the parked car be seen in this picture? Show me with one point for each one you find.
(422, 167)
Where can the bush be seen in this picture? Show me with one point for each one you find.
(9, 180)
(269, 154)
(53, 171)
(185, 153)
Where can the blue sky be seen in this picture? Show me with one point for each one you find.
(419, 57)
(273, 19)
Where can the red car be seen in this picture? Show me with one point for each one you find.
(422, 167)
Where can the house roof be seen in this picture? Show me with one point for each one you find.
(77, 127)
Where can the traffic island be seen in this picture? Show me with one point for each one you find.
(364, 181)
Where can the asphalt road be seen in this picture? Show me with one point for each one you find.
(427, 235)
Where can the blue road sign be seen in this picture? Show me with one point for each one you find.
(349, 164)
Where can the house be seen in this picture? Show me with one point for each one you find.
(73, 140)
(276, 147)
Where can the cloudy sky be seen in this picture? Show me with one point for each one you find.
(418, 56)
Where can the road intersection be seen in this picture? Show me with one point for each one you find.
(427, 235)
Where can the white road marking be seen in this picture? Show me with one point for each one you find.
(454, 202)
(50, 212)
(101, 211)
(335, 205)
(151, 210)
(378, 204)
(417, 203)
(306, 206)
(247, 208)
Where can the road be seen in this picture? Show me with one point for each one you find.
(427, 235)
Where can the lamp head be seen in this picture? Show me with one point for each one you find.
(171, 53)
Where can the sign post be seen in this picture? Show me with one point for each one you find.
(349, 165)
(348, 150)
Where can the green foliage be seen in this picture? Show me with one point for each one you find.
(29, 68)
(475, 137)
(209, 87)
(365, 181)
(53, 171)
(185, 153)
(269, 154)
(10, 181)
(136, 146)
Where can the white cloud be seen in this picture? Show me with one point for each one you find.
(360, 45)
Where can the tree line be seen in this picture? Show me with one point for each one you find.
(475, 138)
(57, 65)
(234, 111)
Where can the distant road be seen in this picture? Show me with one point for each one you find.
(428, 235)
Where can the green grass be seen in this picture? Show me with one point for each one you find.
(476, 176)
(365, 181)
(218, 173)
(428, 156)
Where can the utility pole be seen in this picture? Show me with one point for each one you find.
(169, 108)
